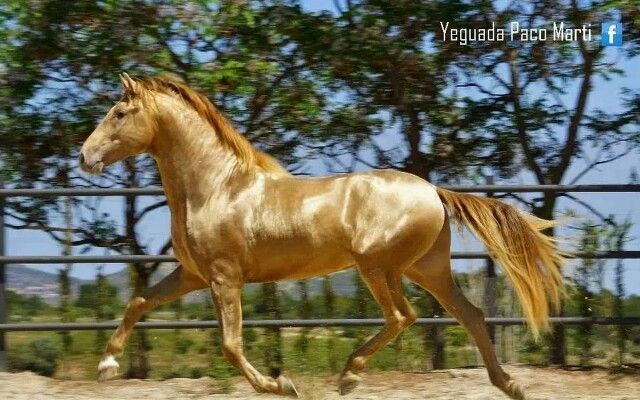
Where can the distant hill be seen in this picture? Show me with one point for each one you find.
(29, 281)
(120, 280)
(342, 284)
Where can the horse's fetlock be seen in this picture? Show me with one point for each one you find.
(357, 363)
(498, 380)
(113, 350)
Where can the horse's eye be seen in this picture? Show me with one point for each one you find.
(120, 114)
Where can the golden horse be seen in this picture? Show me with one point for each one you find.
(237, 216)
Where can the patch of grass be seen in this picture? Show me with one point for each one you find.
(183, 344)
(40, 356)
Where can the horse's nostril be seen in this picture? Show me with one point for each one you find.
(81, 158)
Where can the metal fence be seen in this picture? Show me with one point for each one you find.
(79, 192)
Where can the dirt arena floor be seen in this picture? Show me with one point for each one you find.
(459, 384)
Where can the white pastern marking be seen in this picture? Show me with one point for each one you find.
(108, 363)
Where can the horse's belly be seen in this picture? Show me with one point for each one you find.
(285, 259)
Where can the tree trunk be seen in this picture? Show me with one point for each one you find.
(177, 333)
(621, 234)
(490, 291)
(139, 275)
(557, 349)
(329, 303)
(416, 163)
(101, 305)
(138, 360)
(63, 277)
(65, 305)
(305, 313)
(273, 349)
(618, 311)
(590, 243)
(359, 308)
(434, 341)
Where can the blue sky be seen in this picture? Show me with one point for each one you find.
(155, 228)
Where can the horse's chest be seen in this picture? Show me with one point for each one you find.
(183, 248)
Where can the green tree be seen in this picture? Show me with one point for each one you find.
(100, 296)
(40, 356)
(29, 306)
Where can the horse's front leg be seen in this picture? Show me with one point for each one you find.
(227, 298)
(171, 288)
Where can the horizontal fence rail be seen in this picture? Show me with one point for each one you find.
(156, 191)
(300, 323)
(116, 259)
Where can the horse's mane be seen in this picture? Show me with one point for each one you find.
(227, 134)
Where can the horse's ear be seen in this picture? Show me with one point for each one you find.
(131, 87)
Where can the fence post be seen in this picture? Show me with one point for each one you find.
(3, 302)
(490, 283)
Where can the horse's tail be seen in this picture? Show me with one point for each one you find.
(514, 239)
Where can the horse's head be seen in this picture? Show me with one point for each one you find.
(127, 130)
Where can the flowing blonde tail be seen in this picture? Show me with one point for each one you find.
(513, 238)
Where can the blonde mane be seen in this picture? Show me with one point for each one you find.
(227, 134)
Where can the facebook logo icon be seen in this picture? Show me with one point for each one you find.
(611, 34)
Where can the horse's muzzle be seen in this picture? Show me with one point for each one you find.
(94, 168)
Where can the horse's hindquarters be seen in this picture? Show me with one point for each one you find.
(399, 220)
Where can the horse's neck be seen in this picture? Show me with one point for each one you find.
(193, 164)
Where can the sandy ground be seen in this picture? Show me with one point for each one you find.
(460, 384)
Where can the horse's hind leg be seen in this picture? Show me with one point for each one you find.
(171, 288)
(433, 273)
(387, 289)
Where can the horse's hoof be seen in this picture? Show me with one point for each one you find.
(287, 388)
(107, 369)
(513, 390)
(348, 382)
